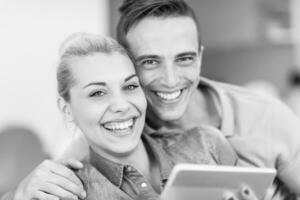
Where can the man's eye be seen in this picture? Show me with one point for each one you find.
(97, 94)
(149, 62)
(185, 60)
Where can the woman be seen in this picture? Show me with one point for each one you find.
(100, 93)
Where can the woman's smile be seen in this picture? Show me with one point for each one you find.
(121, 127)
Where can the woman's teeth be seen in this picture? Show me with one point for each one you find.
(169, 96)
(117, 126)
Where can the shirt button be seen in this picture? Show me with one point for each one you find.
(143, 185)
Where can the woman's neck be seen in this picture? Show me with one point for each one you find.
(140, 160)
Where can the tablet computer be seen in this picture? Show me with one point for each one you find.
(194, 182)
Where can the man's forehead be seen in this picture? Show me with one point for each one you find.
(154, 34)
(155, 25)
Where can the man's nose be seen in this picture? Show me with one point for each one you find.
(119, 103)
(170, 75)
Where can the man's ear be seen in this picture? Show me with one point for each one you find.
(201, 49)
(201, 54)
(65, 109)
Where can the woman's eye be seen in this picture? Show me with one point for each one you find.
(131, 86)
(97, 94)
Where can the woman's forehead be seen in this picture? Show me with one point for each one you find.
(102, 67)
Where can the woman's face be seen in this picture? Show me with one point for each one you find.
(107, 103)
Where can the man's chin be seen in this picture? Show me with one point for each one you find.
(169, 116)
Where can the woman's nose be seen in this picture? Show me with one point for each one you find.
(119, 104)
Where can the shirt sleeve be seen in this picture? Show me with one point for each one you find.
(284, 130)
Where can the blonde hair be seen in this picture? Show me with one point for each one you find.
(81, 45)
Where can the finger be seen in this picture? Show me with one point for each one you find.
(44, 196)
(229, 196)
(66, 184)
(62, 170)
(247, 194)
(74, 163)
(57, 191)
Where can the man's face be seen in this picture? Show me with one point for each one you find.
(168, 63)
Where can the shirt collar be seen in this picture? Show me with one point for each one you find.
(148, 129)
(111, 170)
(222, 105)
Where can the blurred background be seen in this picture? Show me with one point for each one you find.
(253, 43)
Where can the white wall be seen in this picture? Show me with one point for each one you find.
(30, 34)
(295, 24)
(226, 23)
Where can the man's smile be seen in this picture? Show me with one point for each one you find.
(169, 96)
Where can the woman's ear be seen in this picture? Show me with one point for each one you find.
(65, 109)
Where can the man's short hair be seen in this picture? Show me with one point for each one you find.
(133, 11)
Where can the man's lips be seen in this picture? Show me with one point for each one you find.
(169, 96)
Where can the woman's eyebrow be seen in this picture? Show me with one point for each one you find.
(130, 77)
(104, 84)
(95, 83)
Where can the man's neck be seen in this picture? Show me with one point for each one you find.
(202, 109)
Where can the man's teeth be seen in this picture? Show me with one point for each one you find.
(119, 125)
(169, 96)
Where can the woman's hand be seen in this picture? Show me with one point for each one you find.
(245, 193)
(51, 180)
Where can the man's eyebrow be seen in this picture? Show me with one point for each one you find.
(95, 83)
(139, 58)
(130, 77)
(189, 53)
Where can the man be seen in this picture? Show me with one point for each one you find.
(164, 39)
